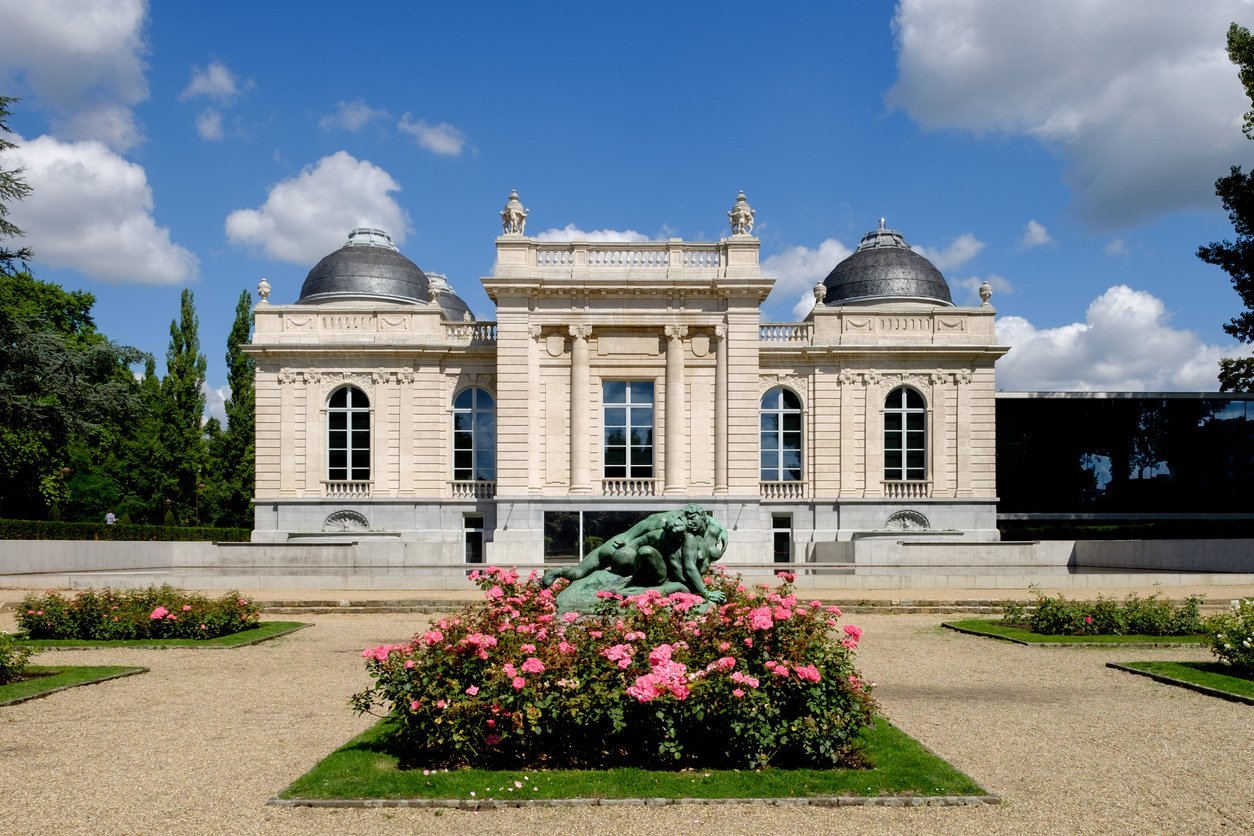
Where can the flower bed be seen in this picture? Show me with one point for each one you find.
(648, 681)
(1135, 616)
(13, 659)
(1231, 637)
(153, 613)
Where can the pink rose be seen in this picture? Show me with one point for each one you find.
(519, 683)
(533, 665)
(472, 690)
(187, 608)
(159, 613)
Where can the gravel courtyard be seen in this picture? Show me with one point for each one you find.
(202, 741)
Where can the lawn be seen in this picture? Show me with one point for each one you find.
(998, 629)
(365, 769)
(1210, 678)
(264, 631)
(41, 681)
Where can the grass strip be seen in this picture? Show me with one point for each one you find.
(1210, 678)
(996, 629)
(264, 631)
(364, 768)
(41, 681)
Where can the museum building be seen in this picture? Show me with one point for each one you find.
(621, 379)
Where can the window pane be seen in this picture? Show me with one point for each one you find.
(462, 459)
(792, 441)
(338, 459)
(913, 399)
(641, 472)
(485, 426)
(337, 420)
(461, 421)
(914, 459)
(915, 421)
(641, 391)
(792, 421)
(337, 440)
(465, 400)
(361, 420)
(615, 437)
(642, 417)
(770, 421)
(790, 399)
(616, 471)
(892, 440)
(641, 455)
(642, 436)
(892, 421)
(892, 459)
(463, 441)
(361, 459)
(487, 464)
(793, 475)
(614, 456)
(768, 441)
(614, 391)
(770, 459)
(792, 459)
(769, 475)
(339, 399)
(770, 401)
(615, 417)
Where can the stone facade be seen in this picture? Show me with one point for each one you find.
(576, 323)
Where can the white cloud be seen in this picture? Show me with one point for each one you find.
(798, 269)
(1137, 97)
(1115, 247)
(351, 116)
(81, 61)
(442, 139)
(1125, 344)
(1000, 285)
(91, 210)
(308, 215)
(215, 401)
(573, 233)
(1034, 235)
(961, 250)
(209, 124)
(214, 82)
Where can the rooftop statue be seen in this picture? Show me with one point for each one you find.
(668, 551)
(514, 215)
(741, 216)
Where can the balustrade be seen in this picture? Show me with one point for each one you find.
(783, 490)
(912, 489)
(473, 489)
(346, 489)
(475, 332)
(628, 487)
(785, 332)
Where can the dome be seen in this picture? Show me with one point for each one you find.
(884, 268)
(370, 266)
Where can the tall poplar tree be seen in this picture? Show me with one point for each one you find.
(1236, 258)
(12, 187)
(182, 409)
(231, 451)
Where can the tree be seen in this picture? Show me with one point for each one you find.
(1236, 258)
(12, 187)
(63, 387)
(231, 451)
(181, 410)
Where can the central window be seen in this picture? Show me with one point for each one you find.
(780, 420)
(348, 435)
(905, 435)
(628, 429)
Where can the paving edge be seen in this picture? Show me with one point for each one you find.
(1102, 645)
(504, 804)
(42, 694)
(1181, 683)
(43, 649)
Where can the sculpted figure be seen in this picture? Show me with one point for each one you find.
(741, 216)
(668, 551)
(514, 215)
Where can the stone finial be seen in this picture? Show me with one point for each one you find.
(514, 215)
(263, 290)
(741, 216)
(986, 292)
(820, 293)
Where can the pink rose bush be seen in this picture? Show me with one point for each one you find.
(153, 613)
(650, 680)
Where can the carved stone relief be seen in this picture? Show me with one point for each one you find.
(907, 521)
(346, 521)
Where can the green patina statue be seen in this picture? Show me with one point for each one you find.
(668, 551)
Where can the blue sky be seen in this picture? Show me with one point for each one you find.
(1065, 152)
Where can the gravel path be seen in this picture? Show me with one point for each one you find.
(202, 741)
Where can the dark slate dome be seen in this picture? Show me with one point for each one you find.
(370, 266)
(884, 268)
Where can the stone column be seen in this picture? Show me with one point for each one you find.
(676, 479)
(720, 411)
(579, 409)
(938, 435)
(535, 411)
(962, 434)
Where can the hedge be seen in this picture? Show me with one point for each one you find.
(54, 530)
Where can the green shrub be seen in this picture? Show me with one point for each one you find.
(1232, 636)
(54, 530)
(647, 681)
(13, 659)
(1136, 616)
(153, 613)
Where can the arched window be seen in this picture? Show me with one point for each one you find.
(348, 435)
(905, 436)
(474, 436)
(781, 436)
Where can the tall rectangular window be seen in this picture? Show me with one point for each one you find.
(628, 450)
